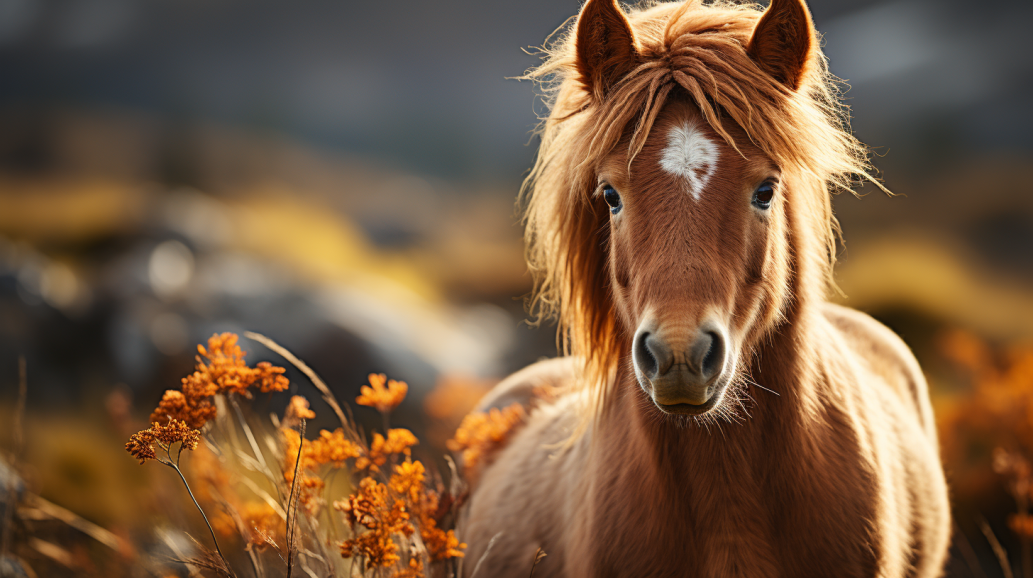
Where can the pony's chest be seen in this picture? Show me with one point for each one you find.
(727, 522)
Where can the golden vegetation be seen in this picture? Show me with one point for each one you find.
(395, 514)
(997, 413)
(480, 434)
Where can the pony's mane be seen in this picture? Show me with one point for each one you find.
(687, 50)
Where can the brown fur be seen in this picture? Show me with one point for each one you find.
(835, 474)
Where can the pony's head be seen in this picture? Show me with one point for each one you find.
(679, 206)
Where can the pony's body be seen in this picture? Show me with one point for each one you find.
(687, 258)
(838, 477)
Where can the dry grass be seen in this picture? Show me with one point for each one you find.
(265, 499)
(334, 505)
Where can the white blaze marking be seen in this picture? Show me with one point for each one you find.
(691, 155)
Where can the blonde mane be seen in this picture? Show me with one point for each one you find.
(688, 50)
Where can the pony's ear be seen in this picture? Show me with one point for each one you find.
(783, 42)
(605, 46)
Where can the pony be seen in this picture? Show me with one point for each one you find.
(715, 414)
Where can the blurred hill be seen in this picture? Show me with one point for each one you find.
(423, 85)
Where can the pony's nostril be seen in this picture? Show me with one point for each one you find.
(644, 358)
(661, 353)
(714, 358)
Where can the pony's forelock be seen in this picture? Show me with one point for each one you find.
(699, 51)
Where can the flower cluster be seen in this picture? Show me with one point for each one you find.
(383, 399)
(481, 434)
(220, 369)
(398, 441)
(334, 448)
(382, 516)
(141, 444)
(329, 448)
(408, 483)
(387, 510)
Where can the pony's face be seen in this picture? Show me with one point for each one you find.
(698, 255)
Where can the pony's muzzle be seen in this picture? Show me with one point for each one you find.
(684, 375)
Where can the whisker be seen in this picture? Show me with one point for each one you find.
(755, 384)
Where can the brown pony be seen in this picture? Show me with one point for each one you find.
(720, 417)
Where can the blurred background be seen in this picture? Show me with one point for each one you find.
(341, 177)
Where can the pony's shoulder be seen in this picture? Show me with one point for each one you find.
(861, 329)
(541, 380)
(886, 354)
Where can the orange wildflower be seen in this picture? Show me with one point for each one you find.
(329, 448)
(480, 434)
(269, 377)
(365, 506)
(368, 507)
(378, 548)
(141, 444)
(297, 410)
(220, 369)
(333, 448)
(228, 371)
(194, 409)
(407, 481)
(441, 544)
(413, 570)
(384, 399)
(398, 441)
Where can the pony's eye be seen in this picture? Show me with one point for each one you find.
(763, 195)
(613, 199)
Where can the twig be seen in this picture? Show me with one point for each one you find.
(1002, 555)
(179, 555)
(971, 560)
(484, 556)
(51, 510)
(328, 396)
(242, 529)
(292, 517)
(247, 432)
(175, 466)
(53, 551)
(538, 555)
(272, 503)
